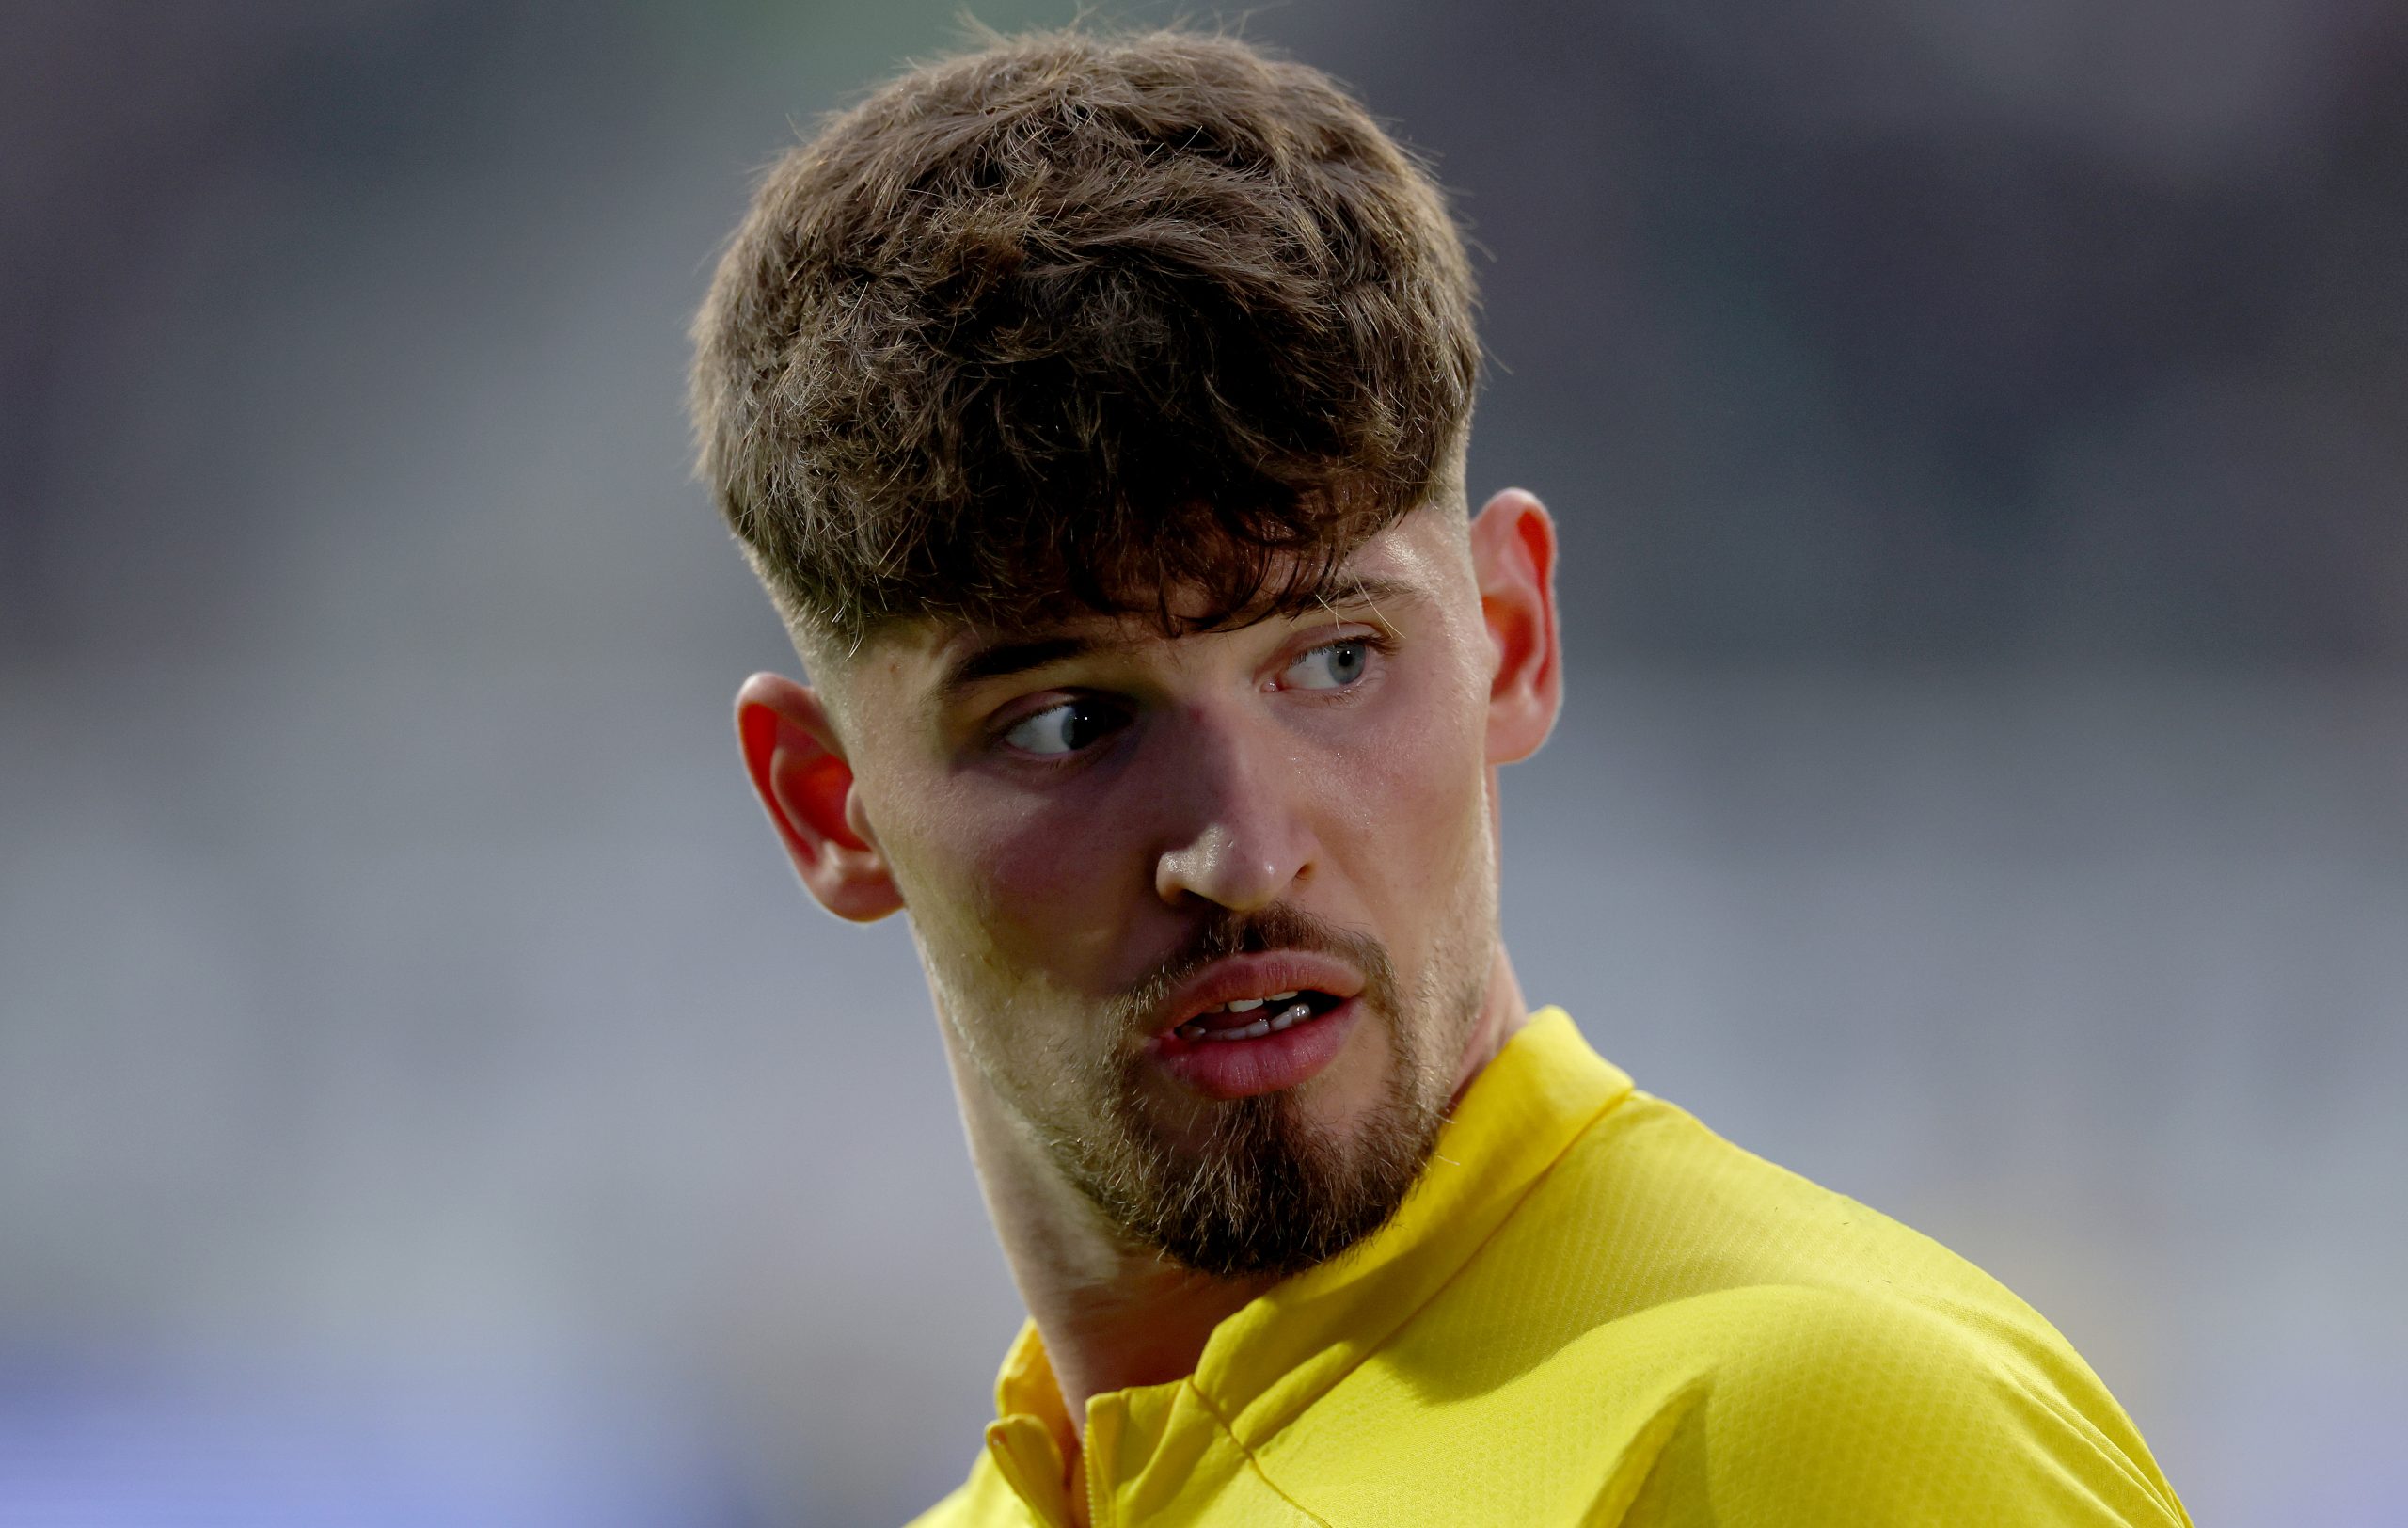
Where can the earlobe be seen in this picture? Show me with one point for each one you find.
(1512, 548)
(798, 769)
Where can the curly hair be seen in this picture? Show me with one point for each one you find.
(1094, 319)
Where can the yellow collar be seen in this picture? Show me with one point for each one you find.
(1277, 1355)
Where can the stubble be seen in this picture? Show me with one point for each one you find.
(1264, 1188)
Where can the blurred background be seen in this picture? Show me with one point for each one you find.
(1980, 439)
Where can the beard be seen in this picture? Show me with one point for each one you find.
(1264, 1189)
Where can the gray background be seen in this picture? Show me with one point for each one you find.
(1979, 433)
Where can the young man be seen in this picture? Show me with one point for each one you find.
(1094, 409)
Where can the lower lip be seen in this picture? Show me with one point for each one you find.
(1265, 1064)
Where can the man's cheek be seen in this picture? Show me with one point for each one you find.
(1034, 859)
(1048, 894)
(1418, 787)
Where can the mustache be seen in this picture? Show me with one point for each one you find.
(1230, 932)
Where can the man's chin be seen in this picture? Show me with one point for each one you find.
(1257, 1185)
(1332, 1110)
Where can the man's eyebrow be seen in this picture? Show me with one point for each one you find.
(1370, 589)
(1001, 658)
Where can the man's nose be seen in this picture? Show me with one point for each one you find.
(1238, 838)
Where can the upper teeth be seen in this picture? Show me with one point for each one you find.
(1293, 1012)
(1247, 1005)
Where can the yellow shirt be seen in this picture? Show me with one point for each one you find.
(1593, 1310)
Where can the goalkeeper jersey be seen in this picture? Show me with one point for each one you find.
(1593, 1311)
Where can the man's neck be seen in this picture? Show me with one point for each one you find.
(1112, 1315)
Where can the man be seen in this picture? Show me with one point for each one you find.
(1094, 409)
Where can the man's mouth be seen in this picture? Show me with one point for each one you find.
(1250, 1018)
(1257, 1023)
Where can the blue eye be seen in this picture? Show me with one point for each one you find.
(1061, 730)
(1331, 666)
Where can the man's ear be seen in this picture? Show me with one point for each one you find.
(798, 770)
(1512, 557)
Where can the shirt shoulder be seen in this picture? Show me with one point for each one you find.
(1818, 1406)
(1758, 1349)
(1649, 1210)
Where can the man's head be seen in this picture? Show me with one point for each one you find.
(1093, 410)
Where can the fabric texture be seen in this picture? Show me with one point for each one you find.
(1593, 1311)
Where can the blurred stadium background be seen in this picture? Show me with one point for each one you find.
(1980, 434)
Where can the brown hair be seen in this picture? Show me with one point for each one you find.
(1094, 318)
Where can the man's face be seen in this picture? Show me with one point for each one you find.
(1212, 917)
